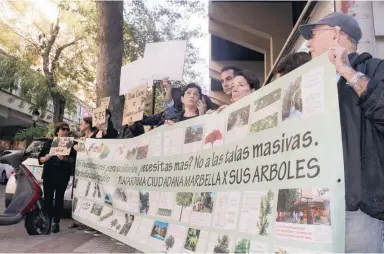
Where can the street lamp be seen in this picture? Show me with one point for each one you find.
(35, 116)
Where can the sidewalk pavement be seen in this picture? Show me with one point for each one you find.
(14, 239)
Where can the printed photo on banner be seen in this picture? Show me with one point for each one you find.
(148, 202)
(106, 216)
(96, 211)
(109, 194)
(196, 241)
(134, 103)
(219, 243)
(203, 206)
(100, 150)
(159, 230)
(120, 198)
(204, 202)
(267, 100)
(257, 212)
(292, 101)
(266, 112)
(61, 146)
(214, 131)
(304, 214)
(118, 220)
(182, 206)
(244, 245)
(193, 138)
(142, 152)
(166, 203)
(128, 221)
(175, 237)
(237, 124)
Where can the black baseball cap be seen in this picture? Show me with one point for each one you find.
(347, 23)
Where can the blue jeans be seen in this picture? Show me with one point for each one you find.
(363, 233)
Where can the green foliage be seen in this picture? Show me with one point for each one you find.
(16, 75)
(222, 245)
(70, 63)
(286, 198)
(192, 239)
(242, 246)
(265, 211)
(30, 133)
(51, 131)
(170, 241)
(184, 199)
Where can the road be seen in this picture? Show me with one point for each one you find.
(14, 239)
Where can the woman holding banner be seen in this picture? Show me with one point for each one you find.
(56, 175)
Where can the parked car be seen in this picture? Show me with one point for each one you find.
(37, 170)
(5, 172)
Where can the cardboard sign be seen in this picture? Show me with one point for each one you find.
(105, 102)
(134, 103)
(99, 116)
(61, 146)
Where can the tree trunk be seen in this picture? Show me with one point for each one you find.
(59, 103)
(109, 63)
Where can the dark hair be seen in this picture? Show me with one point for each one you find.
(251, 78)
(192, 85)
(235, 69)
(210, 104)
(292, 62)
(176, 94)
(88, 120)
(60, 125)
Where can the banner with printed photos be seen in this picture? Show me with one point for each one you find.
(265, 175)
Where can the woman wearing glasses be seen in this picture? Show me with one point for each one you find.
(56, 175)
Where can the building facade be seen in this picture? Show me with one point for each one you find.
(255, 35)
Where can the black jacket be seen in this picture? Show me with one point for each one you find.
(134, 130)
(111, 132)
(362, 126)
(54, 169)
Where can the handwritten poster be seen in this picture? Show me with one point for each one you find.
(61, 146)
(134, 103)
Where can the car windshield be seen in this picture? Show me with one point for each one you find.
(35, 147)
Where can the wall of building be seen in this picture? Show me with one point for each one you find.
(323, 8)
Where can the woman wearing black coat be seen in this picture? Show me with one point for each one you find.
(56, 175)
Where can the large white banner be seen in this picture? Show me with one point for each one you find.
(264, 175)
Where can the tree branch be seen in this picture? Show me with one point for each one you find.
(54, 31)
(58, 53)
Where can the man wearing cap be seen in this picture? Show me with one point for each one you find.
(361, 100)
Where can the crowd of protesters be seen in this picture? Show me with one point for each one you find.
(360, 82)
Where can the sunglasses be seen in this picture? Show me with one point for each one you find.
(65, 129)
